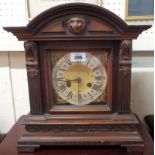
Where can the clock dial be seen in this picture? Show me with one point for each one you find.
(79, 80)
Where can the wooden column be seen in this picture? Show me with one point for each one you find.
(124, 77)
(33, 73)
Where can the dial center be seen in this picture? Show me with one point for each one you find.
(79, 75)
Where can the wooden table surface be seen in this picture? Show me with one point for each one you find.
(8, 146)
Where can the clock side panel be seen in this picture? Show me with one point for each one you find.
(34, 79)
(122, 76)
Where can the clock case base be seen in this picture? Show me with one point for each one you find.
(109, 130)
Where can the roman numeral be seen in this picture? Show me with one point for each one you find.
(68, 62)
(70, 95)
(62, 69)
(90, 95)
(98, 77)
(80, 98)
(60, 79)
(89, 60)
(96, 68)
(62, 87)
(96, 87)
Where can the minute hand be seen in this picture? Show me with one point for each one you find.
(78, 90)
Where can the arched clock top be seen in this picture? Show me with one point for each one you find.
(77, 21)
(77, 10)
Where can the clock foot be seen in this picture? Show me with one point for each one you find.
(130, 140)
(133, 147)
(27, 148)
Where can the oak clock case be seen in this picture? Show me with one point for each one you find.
(78, 60)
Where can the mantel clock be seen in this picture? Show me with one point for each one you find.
(78, 60)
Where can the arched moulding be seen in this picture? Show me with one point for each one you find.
(51, 24)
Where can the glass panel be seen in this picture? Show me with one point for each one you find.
(140, 7)
(79, 77)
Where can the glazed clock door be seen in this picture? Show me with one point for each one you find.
(80, 80)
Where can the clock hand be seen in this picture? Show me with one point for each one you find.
(79, 79)
(71, 80)
(68, 82)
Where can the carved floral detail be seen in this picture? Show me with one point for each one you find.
(125, 50)
(125, 57)
(80, 128)
(125, 71)
(31, 59)
(32, 72)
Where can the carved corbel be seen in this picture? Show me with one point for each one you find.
(125, 57)
(31, 59)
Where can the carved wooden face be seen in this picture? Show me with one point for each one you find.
(76, 25)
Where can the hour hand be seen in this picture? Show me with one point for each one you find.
(73, 80)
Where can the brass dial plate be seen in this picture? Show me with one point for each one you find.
(79, 83)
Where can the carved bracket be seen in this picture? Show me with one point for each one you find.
(31, 59)
(125, 57)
